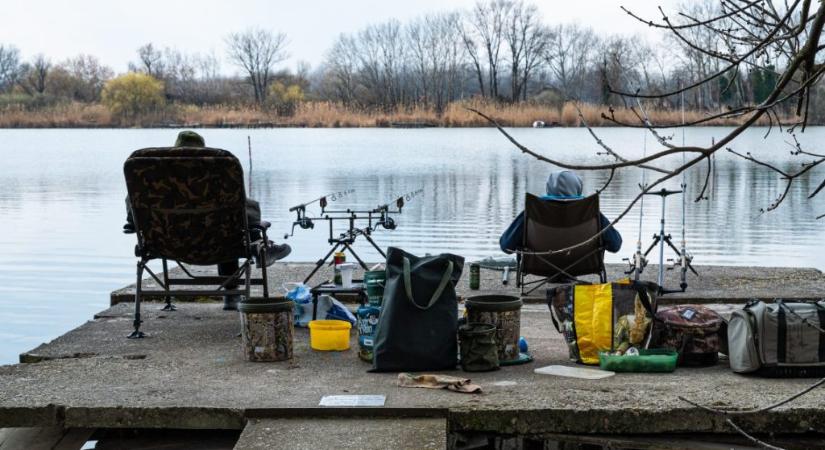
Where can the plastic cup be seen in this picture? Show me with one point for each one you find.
(346, 274)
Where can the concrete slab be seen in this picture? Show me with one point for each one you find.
(716, 284)
(368, 433)
(189, 374)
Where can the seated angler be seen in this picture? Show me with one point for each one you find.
(562, 185)
(253, 213)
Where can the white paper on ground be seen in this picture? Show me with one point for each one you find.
(575, 372)
(352, 400)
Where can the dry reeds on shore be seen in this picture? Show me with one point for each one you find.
(329, 114)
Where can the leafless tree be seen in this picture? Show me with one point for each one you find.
(484, 38)
(569, 56)
(90, 76)
(9, 67)
(150, 61)
(526, 38)
(257, 51)
(35, 75)
(340, 71)
(436, 58)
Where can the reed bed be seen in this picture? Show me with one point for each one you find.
(322, 114)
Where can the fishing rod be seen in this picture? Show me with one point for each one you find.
(684, 258)
(249, 148)
(639, 262)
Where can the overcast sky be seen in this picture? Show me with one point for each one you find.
(112, 30)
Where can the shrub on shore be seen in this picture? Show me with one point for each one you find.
(132, 95)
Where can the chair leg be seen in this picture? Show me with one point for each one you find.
(262, 253)
(169, 306)
(137, 334)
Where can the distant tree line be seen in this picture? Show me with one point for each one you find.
(501, 50)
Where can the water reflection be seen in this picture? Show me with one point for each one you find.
(61, 202)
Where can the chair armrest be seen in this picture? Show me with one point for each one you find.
(262, 225)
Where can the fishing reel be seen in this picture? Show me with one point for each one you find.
(386, 221)
(683, 262)
(636, 264)
(302, 220)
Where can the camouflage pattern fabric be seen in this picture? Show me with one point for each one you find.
(188, 204)
(692, 330)
(508, 329)
(267, 336)
(477, 344)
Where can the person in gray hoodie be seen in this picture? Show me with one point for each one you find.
(561, 185)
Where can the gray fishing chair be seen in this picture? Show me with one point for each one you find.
(551, 225)
(188, 206)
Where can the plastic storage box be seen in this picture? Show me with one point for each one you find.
(657, 360)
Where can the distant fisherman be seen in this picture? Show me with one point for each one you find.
(561, 185)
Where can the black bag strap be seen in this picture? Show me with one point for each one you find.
(441, 285)
(552, 312)
(644, 298)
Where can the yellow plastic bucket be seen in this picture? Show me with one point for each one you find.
(326, 335)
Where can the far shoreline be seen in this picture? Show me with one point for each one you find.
(316, 114)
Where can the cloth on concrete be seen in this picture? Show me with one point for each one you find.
(428, 381)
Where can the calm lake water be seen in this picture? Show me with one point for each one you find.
(62, 191)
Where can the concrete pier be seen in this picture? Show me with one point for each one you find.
(189, 374)
(715, 284)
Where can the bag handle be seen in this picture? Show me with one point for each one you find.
(441, 286)
(550, 306)
(645, 300)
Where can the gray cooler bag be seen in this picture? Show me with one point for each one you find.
(780, 339)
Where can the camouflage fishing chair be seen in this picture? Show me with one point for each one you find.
(188, 206)
(554, 225)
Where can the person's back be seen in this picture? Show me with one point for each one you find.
(561, 185)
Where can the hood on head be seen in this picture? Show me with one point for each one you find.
(564, 183)
(189, 139)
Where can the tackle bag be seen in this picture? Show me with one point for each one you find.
(696, 332)
(779, 339)
(602, 317)
(419, 318)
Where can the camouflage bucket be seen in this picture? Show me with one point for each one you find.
(267, 329)
(504, 313)
(477, 345)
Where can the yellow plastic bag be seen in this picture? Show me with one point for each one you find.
(593, 306)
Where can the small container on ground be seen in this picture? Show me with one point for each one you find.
(367, 323)
(503, 312)
(374, 281)
(346, 270)
(329, 335)
(475, 276)
(267, 329)
(477, 345)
